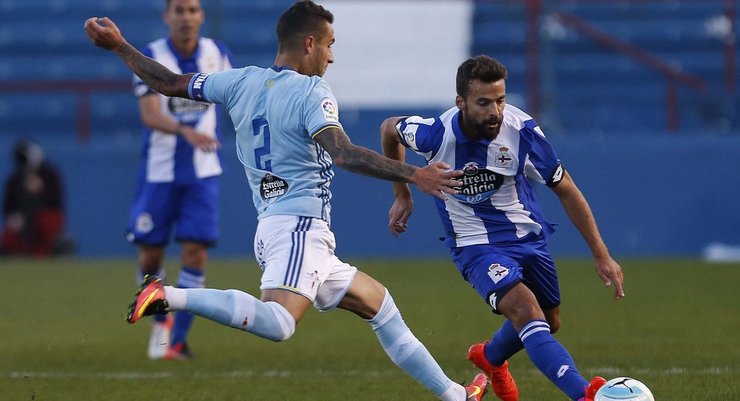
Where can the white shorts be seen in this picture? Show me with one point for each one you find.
(297, 254)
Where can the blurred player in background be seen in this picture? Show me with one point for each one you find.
(494, 226)
(178, 185)
(33, 205)
(288, 136)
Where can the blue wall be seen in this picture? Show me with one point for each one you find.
(653, 194)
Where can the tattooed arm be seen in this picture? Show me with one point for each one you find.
(434, 179)
(104, 33)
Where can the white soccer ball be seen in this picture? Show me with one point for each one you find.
(624, 389)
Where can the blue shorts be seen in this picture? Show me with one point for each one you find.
(191, 209)
(495, 269)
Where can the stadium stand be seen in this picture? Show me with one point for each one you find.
(590, 88)
(584, 86)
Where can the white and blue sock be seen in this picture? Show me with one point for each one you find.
(408, 353)
(189, 278)
(236, 309)
(504, 344)
(140, 273)
(551, 358)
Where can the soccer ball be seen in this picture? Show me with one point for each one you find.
(625, 389)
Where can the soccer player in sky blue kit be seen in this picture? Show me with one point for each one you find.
(288, 137)
(494, 227)
(178, 180)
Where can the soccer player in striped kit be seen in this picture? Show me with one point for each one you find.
(178, 185)
(494, 227)
(288, 138)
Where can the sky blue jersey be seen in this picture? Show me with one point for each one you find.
(496, 204)
(277, 112)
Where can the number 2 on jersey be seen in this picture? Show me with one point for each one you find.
(262, 158)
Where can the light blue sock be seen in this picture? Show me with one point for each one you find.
(236, 309)
(504, 344)
(552, 359)
(405, 350)
(189, 278)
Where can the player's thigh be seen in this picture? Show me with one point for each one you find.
(153, 214)
(491, 273)
(540, 275)
(198, 213)
(297, 254)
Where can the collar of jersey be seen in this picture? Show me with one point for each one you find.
(179, 56)
(279, 68)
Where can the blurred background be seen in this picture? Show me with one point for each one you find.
(639, 98)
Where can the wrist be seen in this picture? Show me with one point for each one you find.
(178, 131)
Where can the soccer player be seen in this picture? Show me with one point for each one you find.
(494, 227)
(178, 181)
(288, 137)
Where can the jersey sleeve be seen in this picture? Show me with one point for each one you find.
(422, 135)
(216, 87)
(542, 163)
(320, 110)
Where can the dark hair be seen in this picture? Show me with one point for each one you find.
(167, 4)
(482, 68)
(302, 19)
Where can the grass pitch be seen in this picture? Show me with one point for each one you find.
(63, 337)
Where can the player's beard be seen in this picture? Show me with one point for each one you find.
(481, 128)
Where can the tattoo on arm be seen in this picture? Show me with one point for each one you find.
(362, 160)
(157, 76)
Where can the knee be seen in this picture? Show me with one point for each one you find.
(525, 313)
(284, 323)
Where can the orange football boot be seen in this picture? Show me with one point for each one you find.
(502, 382)
(594, 386)
(475, 390)
(149, 300)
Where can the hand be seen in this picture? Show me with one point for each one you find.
(200, 141)
(104, 33)
(437, 179)
(610, 272)
(400, 212)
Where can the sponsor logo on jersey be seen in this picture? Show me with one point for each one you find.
(502, 158)
(497, 272)
(478, 184)
(272, 187)
(186, 109)
(144, 223)
(330, 110)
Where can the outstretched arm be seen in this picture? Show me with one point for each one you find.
(580, 214)
(403, 203)
(104, 33)
(434, 179)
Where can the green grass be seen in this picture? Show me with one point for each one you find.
(63, 337)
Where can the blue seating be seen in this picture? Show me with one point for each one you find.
(589, 87)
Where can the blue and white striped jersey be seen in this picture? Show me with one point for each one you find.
(496, 204)
(167, 157)
(276, 113)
